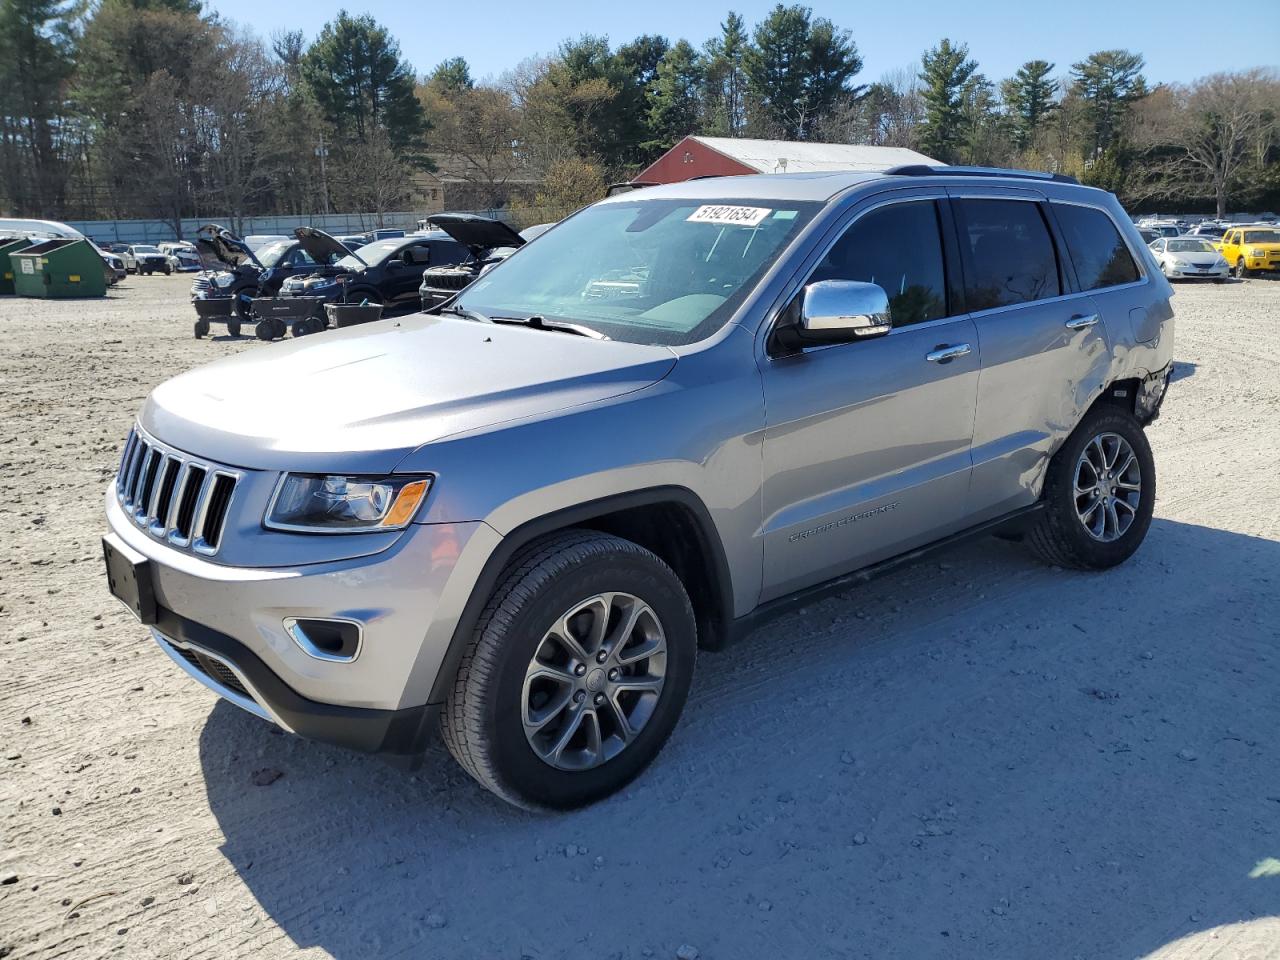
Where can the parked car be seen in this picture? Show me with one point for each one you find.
(143, 258)
(1190, 258)
(255, 241)
(244, 274)
(1250, 249)
(522, 514)
(113, 265)
(387, 272)
(1148, 235)
(1208, 230)
(482, 243)
(180, 255)
(355, 241)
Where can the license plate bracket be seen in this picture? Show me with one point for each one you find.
(129, 578)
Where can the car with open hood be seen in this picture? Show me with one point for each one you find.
(232, 269)
(487, 241)
(386, 272)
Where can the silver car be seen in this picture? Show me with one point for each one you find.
(683, 409)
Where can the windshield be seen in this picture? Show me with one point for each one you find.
(1262, 236)
(1189, 246)
(142, 248)
(270, 255)
(644, 271)
(372, 254)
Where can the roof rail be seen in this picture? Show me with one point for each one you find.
(924, 170)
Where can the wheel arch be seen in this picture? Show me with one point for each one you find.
(670, 521)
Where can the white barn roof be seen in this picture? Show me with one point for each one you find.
(789, 156)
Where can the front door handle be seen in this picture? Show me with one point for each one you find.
(945, 354)
(1082, 322)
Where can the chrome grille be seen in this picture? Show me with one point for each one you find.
(175, 498)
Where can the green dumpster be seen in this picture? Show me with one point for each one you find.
(9, 245)
(58, 268)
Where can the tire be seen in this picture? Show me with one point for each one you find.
(269, 329)
(483, 719)
(168, 271)
(233, 327)
(1060, 535)
(300, 328)
(1241, 272)
(201, 329)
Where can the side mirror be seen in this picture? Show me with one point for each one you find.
(836, 311)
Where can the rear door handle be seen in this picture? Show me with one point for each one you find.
(945, 354)
(1081, 322)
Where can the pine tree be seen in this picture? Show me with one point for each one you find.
(726, 80)
(945, 71)
(1108, 82)
(1028, 95)
(674, 97)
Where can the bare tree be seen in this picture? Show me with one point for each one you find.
(1203, 140)
(478, 130)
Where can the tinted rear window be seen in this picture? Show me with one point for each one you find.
(1100, 256)
(1009, 252)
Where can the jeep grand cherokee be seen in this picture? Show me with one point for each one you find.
(680, 410)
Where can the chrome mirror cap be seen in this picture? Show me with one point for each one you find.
(834, 311)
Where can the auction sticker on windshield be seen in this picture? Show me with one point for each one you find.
(737, 216)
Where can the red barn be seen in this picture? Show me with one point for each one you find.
(726, 156)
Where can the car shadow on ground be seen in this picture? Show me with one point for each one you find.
(976, 756)
(1182, 370)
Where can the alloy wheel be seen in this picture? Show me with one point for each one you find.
(594, 681)
(1107, 487)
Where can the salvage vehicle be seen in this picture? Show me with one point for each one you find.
(234, 271)
(143, 258)
(483, 243)
(1189, 258)
(386, 272)
(113, 265)
(520, 516)
(1251, 249)
(180, 256)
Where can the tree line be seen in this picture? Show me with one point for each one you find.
(161, 109)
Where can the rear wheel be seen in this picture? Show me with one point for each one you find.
(576, 673)
(201, 328)
(1099, 494)
(233, 327)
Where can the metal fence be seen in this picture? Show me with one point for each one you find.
(339, 224)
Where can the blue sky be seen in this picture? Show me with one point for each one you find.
(1180, 39)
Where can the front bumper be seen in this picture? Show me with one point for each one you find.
(407, 600)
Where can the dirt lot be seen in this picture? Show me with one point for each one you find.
(976, 757)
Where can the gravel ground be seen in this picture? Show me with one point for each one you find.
(975, 757)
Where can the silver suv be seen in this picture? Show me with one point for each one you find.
(672, 415)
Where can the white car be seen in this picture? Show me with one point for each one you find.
(180, 255)
(1189, 258)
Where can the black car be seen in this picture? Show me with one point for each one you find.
(487, 242)
(386, 272)
(234, 271)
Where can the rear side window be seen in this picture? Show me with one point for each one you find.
(1096, 248)
(1009, 253)
(899, 248)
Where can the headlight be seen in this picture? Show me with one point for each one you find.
(222, 279)
(1256, 252)
(339, 504)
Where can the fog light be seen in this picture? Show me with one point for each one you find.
(326, 638)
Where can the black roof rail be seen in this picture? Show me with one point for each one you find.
(924, 170)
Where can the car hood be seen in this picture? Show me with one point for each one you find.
(219, 247)
(1197, 257)
(476, 233)
(319, 245)
(359, 399)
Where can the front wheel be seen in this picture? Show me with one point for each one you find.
(576, 673)
(1241, 271)
(1099, 494)
(233, 327)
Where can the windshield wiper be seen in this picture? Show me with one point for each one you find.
(538, 322)
(466, 314)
